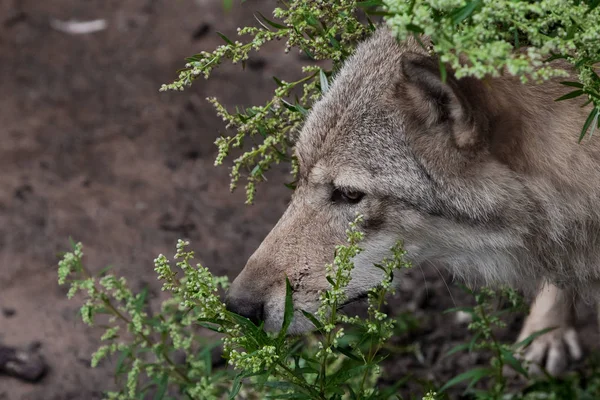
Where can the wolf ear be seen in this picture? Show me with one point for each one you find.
(435, 101)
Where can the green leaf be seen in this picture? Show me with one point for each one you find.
(572, 84)
(163, 384)
(226, 39)
(308, 53)
(324, 82)
(457, 348)
(295, 108)
(353, 394)
(237, 385)
(272, 23)
(301, 110)
(465, 12)
(527, 341)
(571, 95)
(210, 326)
(555, 57)
(289, 105)
(443, 72)
(474, 375)
(348, 353)
(288, 396)
(262, 130)
(252, 331)
(227, 5)
(592, 4)
(261, 23)
(588, 122)
(318, 325)
(140, 300)
(345, 374)
(337, 390)
(288, 314)
(256, 171)
(509, 359)
(283, 385)
(206, 354)
(586, 103)
(334, 42)
(306, 370)
(291, 185)
(330, 280)
(473, 341)
(263, 376)
(125, 353)
(192, 59)
(104, 270)
(369, 3)
(378, 266)
(414, 28)
(312, 21)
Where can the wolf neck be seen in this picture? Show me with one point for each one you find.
(535, 135)
(537, 139)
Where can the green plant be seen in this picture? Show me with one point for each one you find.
(486, 317)
(144, 344)
(337, 363)
(323, 30)
(489, 34)
(341, 362)
(490, 382)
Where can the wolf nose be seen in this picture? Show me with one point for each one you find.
(246, 307)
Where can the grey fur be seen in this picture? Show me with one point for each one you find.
(483, 176)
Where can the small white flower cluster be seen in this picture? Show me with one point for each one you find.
(431, 395)
(203, 389)
(103, 351)
(339, 274)
(132, 378)
(323, 30)
(256, 361)
(488, 35)
(197, 287)
(70, 262)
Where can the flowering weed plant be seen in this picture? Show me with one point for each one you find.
(473, 37)
(166, 353)
(145, 344)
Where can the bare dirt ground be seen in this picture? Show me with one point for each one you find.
(90, 149)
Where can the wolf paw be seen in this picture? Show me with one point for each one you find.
(552, 351)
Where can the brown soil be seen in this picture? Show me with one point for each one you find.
(91, 150)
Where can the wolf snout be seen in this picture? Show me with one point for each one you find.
(246, 305)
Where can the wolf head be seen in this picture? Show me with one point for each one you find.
(410, 152)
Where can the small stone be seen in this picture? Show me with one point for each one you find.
(9, 312)
(463, 318)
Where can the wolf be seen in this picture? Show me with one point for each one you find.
(484, 176)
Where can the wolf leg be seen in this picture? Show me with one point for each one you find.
(552, 308)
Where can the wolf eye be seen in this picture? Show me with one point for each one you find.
(343, 195)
